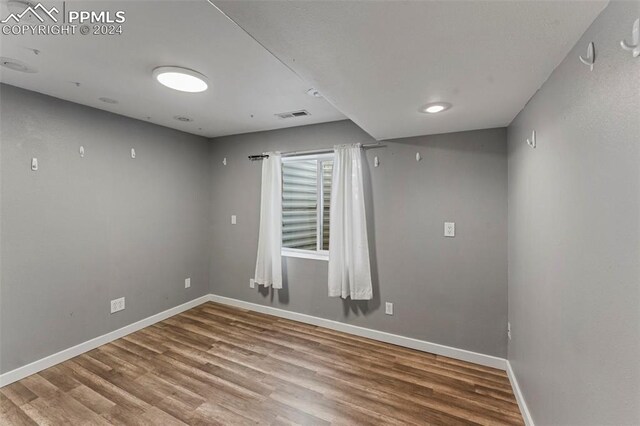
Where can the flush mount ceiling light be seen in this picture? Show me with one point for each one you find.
(182, 79)
(183, 118)
(16, 65)
(435, 107)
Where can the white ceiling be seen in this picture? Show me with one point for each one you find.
(246, 79)
(378, 62)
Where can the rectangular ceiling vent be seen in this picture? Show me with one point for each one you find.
(294, 114)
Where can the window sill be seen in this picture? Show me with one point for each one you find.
(305, 254)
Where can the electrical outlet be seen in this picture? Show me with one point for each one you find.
(252, 283)
(388, 308)
(509, 330)
(187, 283)
(449, 229)
(117, 305)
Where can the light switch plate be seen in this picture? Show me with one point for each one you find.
(449, 229)
(187, 283)
(234, 220)
(388, 308)
(34, 164)
(252, 283)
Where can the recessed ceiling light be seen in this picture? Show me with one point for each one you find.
(108, 100)
(182, 79)
(435, 107)
(183, 118)
(16, 65)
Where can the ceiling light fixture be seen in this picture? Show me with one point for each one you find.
(435, 107)
(182, 79)
(16, 65)
(183, 118)
(108, 100)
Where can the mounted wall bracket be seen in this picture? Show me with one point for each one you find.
(634, 46)
(532, 141)
(591, 56)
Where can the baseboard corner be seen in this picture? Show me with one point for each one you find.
(524, 409)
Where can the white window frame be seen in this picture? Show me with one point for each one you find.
(317, 254)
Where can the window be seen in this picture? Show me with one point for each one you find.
(306, 199)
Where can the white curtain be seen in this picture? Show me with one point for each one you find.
(349, 268)
(269, 262)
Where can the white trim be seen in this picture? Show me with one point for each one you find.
(408, 342)
(421, 345)
(51, 360)
(305, 254)
(526, 414)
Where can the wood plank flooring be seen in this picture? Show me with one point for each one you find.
(216, 364)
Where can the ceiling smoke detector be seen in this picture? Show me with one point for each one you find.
(183, 118)
(181, 79)
(314, 92)
(16, 65)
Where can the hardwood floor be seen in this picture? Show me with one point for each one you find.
(216, 364)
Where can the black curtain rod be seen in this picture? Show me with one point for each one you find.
(312, 151)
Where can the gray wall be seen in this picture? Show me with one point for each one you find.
(574, 226)
(82, 231)
(447, 291)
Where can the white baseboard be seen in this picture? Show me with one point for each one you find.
(526, 415)
(51, 360)
(421, 345)
(408, 342)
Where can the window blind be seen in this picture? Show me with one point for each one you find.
(300, 204)
(306, 190)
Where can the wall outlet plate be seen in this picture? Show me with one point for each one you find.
(252, 283)
(234, 219)
(449, 229)
(117, 305)
(388, 308)
(34, 164)
(187, 283)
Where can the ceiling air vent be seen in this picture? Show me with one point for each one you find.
(294, 114)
